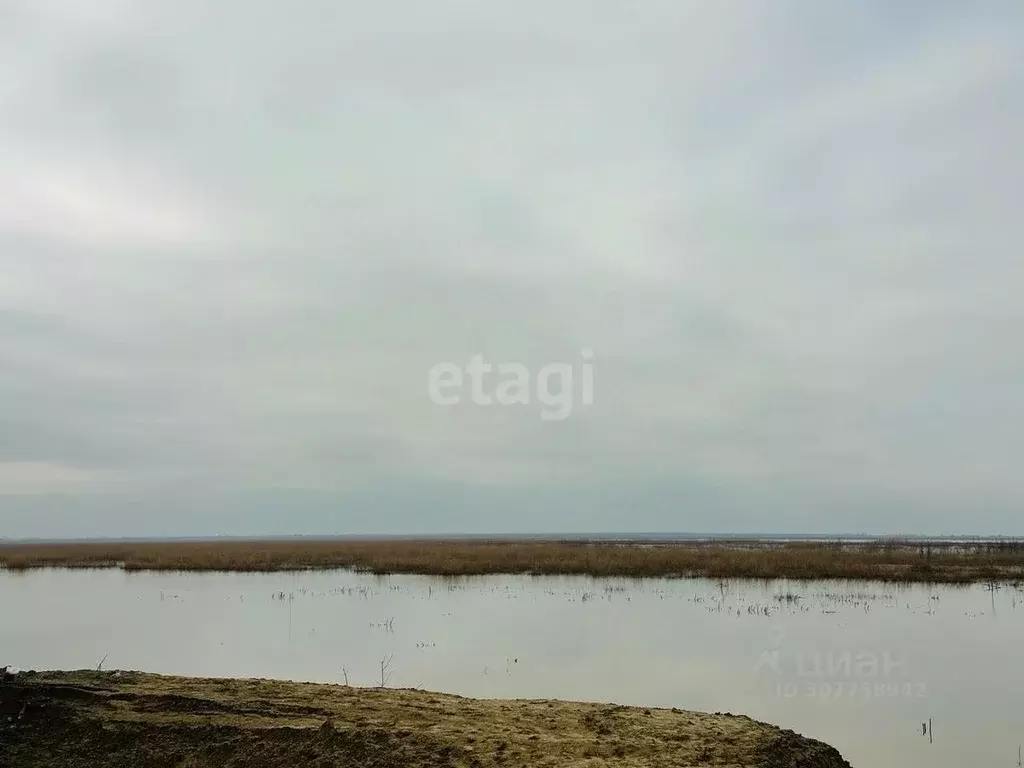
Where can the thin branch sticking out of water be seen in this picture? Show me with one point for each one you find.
(385, 670)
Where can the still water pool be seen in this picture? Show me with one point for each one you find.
(860, 666)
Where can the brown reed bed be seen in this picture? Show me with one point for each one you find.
(888, 560)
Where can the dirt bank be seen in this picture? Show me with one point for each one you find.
(133, 720)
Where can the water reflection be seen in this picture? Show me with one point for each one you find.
(862, 666)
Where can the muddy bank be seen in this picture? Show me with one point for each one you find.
(130, 720)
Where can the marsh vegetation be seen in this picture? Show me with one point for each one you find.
(897, 560)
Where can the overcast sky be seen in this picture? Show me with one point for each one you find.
(235, 237)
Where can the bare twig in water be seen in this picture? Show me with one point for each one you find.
(385, 670)
(99, 667)
(344, 673)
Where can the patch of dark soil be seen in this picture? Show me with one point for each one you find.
(194, 705)
(791, 750)
(63, 726)
(89, 743)
(172, 703)
(24, 707)
(273, 708)
(68, 692)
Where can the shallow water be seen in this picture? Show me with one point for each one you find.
(860, 666)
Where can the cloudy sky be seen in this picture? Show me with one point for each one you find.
(236, 236)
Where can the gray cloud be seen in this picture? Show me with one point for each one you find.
(235, 237)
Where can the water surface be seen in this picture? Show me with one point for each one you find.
(860, 666)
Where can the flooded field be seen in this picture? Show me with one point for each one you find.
(864, 667)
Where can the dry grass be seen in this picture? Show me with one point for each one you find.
(124, 720)
(892, 560)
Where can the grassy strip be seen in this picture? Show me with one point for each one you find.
(890, 560)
